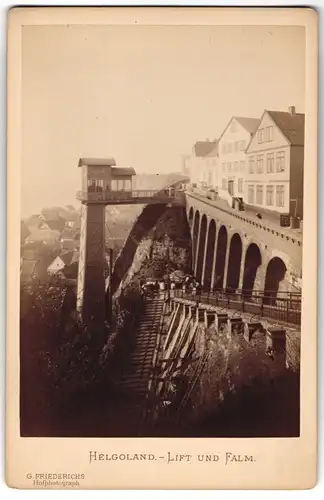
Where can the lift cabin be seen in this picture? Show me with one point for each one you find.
(103, 182)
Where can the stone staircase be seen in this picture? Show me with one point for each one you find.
(135, 377)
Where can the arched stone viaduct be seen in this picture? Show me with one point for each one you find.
(233, 251)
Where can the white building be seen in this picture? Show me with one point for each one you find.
(61, 261)
(202, 164)
(231, 156)
(275, 156)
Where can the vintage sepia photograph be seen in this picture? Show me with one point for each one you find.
(162, 200)
(161, 248)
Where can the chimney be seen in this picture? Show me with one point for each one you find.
(292, 110)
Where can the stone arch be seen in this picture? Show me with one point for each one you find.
(190, 216)
(195, 237)
(211, 238)
(253, 260)
(220, 257)
(234, 262)
(201, 247)
(275, 275)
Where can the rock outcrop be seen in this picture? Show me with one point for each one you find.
(158, 245)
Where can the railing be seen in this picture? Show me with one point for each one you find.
(107, 196)
(284, 232)
(281, 306)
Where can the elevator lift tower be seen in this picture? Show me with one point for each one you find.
(103, 183)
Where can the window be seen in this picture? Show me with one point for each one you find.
(280, 196)
(242, 145)
(128, 185)
(236, 164)
(240, 185)
(269, 196)
(236, 146)
(229, 167)
(259, 164)
(223, 167)
(229, 150)
(280, 161)
(242, 164)
(120, 184)
(95, 184)
(251, 165)
(259, 195)
(261, 135)
(233, 126)
(270, 163)
(224, 147)
(269, 134)
(251, 194)
(224, 183)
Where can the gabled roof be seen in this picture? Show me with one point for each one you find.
(56, 213)
(214, 151)
(250, 124)
(291, 125)
(204, 148)
(50, 214)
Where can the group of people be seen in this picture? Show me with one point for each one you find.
(188, 285)
(153, 287)
(191, 285)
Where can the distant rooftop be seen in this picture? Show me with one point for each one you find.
(250, 124)
(204, 148)
(56, 213)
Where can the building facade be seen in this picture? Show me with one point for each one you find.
(275, 162)
(201, 166)
(211, 169)
(231, 156)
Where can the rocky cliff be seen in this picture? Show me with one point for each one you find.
(158, 244)
(242, 391)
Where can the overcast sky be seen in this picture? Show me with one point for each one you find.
(143, 95)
